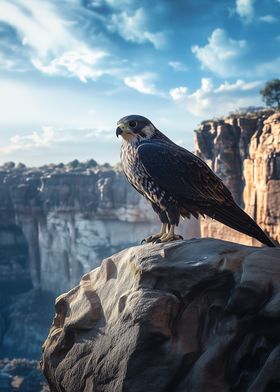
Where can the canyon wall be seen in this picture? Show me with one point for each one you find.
(244, 151)
(69, 220)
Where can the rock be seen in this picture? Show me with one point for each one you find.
(198, 315)
(244, 152)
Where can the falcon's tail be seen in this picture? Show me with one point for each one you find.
(234, 217)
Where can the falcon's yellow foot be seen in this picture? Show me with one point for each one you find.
(170, 236)
(153, 238)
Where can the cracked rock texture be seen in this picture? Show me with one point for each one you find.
(245, 154)
(198, 315)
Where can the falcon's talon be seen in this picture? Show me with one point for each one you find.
(154, 238)
(171, 238)
(151, 238)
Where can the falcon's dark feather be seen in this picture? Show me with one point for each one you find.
(176, 181)
(181, 173)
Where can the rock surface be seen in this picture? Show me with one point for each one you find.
(199, 315)
(244, 151)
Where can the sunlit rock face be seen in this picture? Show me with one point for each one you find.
(72, 219)
(198, 315)
(245, 154)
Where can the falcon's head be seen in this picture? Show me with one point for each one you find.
(135, 128)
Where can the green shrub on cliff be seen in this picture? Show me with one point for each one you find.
(271, 93)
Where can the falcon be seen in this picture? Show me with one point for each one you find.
(176, 182)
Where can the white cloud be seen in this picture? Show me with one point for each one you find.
(50, 137)
(81, 64)
(30, 141)
(144, 83)
(178, 66)
(245, 10)
(221, 53)
(133, 28)
(238, 85)
(268, 19)
(178, 93)
(53, 49)
(209, 100)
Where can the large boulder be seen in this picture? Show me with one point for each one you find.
(198, 315)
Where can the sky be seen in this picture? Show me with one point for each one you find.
(70, 69)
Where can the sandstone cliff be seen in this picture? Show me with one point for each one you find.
(199, 315)
(244, 151)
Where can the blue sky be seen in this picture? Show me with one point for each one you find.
(70, 69)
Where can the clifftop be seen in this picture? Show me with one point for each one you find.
(99, 190)
(198, 315)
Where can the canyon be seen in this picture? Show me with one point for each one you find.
(58, 222)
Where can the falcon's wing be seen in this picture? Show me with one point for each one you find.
(182, 173)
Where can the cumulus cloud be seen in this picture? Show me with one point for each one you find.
(177, 66)
(178, 93)
(50, 43)
(239, 85)
(221, 54)
(245, 10)
(144, 83)
(268, 19)
(77, 63)
(209, 100)
(133, 27)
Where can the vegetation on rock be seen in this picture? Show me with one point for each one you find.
(271, 93)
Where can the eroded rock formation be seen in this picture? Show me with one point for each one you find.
(245, 154)
(199, 315)
(72, 219)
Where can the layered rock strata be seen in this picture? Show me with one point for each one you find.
(69, 220)
(198, 315)
(245, 154)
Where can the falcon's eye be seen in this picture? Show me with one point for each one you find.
(132, 124)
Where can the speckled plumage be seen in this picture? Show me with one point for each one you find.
(176, 182)
(140, 179)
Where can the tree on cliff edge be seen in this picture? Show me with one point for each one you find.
(271, 93)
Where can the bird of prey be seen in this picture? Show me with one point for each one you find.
(176, 182)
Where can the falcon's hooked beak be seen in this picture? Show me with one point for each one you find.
(121, 128)
(118, 131)
(124, 131)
